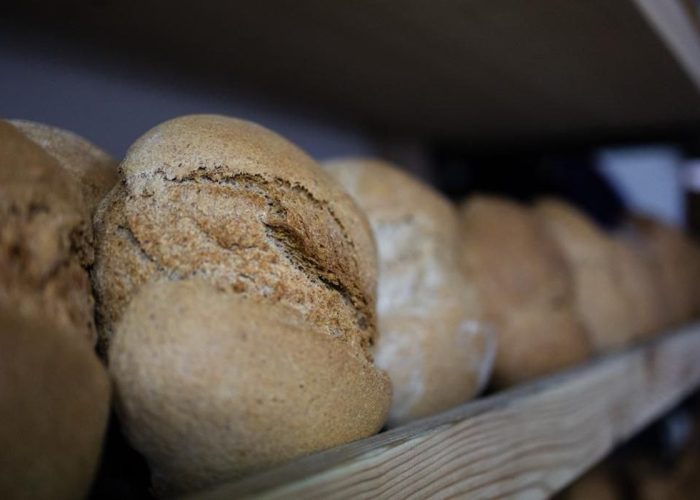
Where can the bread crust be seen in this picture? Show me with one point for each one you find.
(590, 255)
(231, 201)
(46, 237)
(432, 342)
(213, 386)
(54, 405)
(236, 297)
(525, 288)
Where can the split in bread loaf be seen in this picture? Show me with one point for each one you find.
(432, 341)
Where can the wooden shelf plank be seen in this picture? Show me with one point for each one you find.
(528, 442)
(477, 71)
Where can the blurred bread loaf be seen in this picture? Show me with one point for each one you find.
(54, 404)
(640, 287)
(431, 341)
(525, 289)
(677, 263)
(590, 255)
(231, 203)
(50, 182)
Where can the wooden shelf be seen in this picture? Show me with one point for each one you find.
(476, 71)
(529, 442)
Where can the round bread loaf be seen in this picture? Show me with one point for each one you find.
(677, 262)
(212, 385)
(54, 404)
(640, 287)
(590, 255)
(525, 289)
(49, 184)
(231, 203)
(432, 344)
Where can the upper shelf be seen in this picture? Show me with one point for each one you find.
(477, 70)
(528, 442)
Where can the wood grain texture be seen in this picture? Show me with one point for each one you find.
(525, 443)
(477, 70)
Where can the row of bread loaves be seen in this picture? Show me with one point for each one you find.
(253, 306)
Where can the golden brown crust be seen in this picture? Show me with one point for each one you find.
(229, 200)
(46, 234)
(525, 288)
(431, 341)
(212, 386)
(54, 404)
(589, 253)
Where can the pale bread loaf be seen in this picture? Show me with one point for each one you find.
(432, 342)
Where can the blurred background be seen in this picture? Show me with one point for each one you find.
(472, 95)
(597, 101)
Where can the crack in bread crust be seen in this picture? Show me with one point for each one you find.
(281, 238)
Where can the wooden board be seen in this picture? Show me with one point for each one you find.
(477, 70)
(526, 443)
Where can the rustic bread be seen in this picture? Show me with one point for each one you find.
(93, 170)
(640, 287)
(233, 204)
(676, 260)
(213, 385)
(431, 341)
(47, 194)
(54, 404)
(590, 256)
(525, 289)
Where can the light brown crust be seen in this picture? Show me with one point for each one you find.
(212, 386)
(94, 171)
(233, 202)
(676, 261)
(432, 343)
(236, 289)
(589, 253)
(54, 404)
(640, 287)
(46, 233)
(525, 288)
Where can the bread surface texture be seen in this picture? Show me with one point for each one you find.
(431, 341)
(212, 386)
(590, 254)
(46, 238)
(525, 288)
(284, 268)
(54, 405)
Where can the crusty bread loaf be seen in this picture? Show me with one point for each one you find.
(54, 404)
(640, 287)
(233, 204)
(589, 253)
(214, 385)
(525, 289)
(47, 194)
(431, 341)
(93, 170)
(676, 260)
